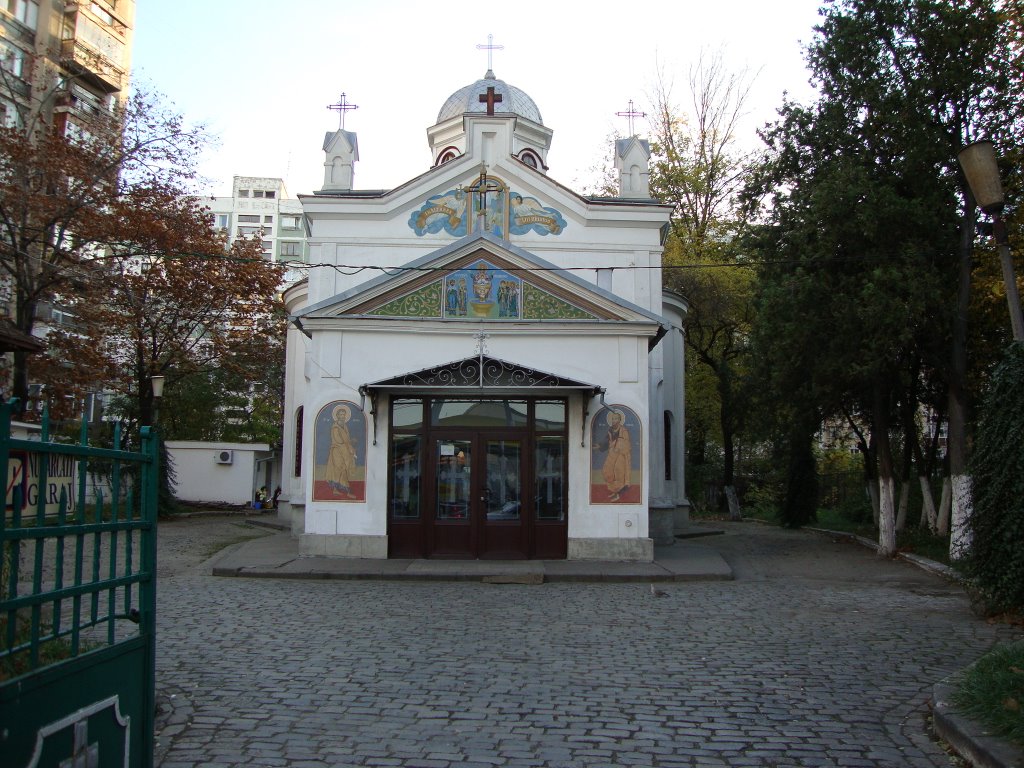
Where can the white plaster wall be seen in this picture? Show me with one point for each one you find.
(617, 363)
(201, 478)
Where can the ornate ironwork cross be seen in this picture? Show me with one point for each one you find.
(631, 113)
(490, 48)
(490, 98)
(341, 108)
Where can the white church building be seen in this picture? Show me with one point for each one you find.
(506, 380)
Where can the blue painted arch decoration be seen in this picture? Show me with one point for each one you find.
(487, 206)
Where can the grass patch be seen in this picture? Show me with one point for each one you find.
(992, 692)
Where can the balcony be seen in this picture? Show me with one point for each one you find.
(98, 70)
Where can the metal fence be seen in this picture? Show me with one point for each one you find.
(77, 600)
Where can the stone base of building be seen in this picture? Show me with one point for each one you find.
(322, 545)
(681, 517)
(632, 550)
(661, 520)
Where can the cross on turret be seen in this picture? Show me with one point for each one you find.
(341, 108)
(630, 114)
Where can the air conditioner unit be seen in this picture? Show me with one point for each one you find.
(225, 457)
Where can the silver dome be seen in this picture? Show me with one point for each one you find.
(468, 100)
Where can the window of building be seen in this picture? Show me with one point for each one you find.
(291, 248)
(257, 193)
(290, 222)
(25, 11)
(298, 442)
(249, 231)
(247, 218)
(98, 37)
(668, 445)
(268, 219)
(12, 59)
(529, 158)
(268, 245)
(243, 193)
(447, 155)
(271, 193)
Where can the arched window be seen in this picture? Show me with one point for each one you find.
(450, 153)
(529, 158)
(668, 445)
(298, 442)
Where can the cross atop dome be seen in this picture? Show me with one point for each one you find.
(490, 48)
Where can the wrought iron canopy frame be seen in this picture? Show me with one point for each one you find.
(482, 376)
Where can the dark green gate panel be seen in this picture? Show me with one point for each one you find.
(77, 602)
(79, 708)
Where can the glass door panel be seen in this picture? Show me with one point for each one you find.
(549, 474)
(453, 475)
(502, 490)
(405, 477)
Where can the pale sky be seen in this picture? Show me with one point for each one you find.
(260, 73)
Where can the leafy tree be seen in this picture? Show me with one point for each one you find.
(867, 231)
(698, 170)
(66, 196)
(206, 315)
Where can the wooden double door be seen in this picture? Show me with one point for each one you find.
(478, 494)
(478, 508)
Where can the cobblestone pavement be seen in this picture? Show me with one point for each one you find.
(818, 654)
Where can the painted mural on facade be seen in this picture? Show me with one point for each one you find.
(452, 298)
(441, 213)
(530, 215)
(339, 472)
(616, 475)
(482, 291)
(487, 206)
(490, 207)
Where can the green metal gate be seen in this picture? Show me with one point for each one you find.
(77, 601)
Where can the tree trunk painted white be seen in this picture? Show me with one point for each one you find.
(945, 503)
(873, 495)
(886, 517)
(734, 503)
(901, 516)
(928, 516)
(960, 536)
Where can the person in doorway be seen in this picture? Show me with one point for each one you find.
(277, 495)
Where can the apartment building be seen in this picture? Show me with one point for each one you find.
(61, 59)
(260, 206)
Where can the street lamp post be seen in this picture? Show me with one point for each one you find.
(157, 385)
(978, 161)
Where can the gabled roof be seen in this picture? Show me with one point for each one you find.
(426, 289)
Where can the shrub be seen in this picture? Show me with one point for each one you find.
(995, 563)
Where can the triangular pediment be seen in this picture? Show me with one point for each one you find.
(481, 279)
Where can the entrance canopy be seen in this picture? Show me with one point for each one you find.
(480, 375)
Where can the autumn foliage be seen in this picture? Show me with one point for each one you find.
(100, 220)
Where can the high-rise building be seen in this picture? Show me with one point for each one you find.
(61, 62)
(59, 59)
(261, 206)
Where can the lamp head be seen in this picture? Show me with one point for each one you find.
(157, 383)
(978, 161)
